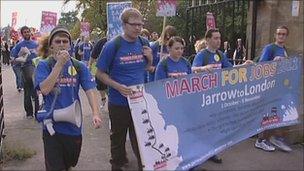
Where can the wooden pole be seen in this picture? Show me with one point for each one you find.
(163, 38)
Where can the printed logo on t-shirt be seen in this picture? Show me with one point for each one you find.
(216, 57)
(131, 59)
(176, 74)
(66, 81)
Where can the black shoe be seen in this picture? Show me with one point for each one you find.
(215, 159)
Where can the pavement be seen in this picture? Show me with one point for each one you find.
(95, 153)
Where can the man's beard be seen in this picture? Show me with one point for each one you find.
(27, 38)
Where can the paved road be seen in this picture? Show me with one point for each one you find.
(95, 152)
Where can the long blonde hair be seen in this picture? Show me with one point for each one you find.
(43, 48)
(200, 45)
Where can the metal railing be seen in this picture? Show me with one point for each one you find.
(230, 17)
(1, 116)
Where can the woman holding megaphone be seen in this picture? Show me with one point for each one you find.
(58, 78)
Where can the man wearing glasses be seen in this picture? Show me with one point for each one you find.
(119, 68)
(274, 51)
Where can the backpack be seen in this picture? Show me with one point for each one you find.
(76, 48)
(272, 51)
(206, 59)
(164, 63)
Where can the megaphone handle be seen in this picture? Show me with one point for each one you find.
(49, 127)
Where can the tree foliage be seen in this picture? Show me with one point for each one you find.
(69, 19)
(94, 11)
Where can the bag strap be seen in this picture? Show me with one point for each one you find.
(208, 55)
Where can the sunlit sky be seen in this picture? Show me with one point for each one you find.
(29, 12)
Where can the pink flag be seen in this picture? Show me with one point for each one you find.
(166, 8)
(210, 21)
(48, 21)
(85, 29)
(14, 20)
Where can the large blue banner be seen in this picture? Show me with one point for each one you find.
(180, 123)
(114, 9)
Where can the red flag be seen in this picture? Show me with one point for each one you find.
(85, 29)
(48, 21)
(210, 21)
(14, 20)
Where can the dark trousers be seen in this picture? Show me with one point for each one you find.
(30, 93)
(61, 151)
(121, 121)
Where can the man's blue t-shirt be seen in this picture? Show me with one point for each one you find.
(213, 59)
(69, 88)
(271, 51)
(172, 69)
(156, 48)
(125, 66)
(86, 48)
(31, 45)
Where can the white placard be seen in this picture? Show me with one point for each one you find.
(295, 8)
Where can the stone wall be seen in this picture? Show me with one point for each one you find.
(270, 14)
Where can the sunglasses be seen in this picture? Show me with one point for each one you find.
(58, 41)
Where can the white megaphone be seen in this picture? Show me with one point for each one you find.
(71, 114)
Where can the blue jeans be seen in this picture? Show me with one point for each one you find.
(18, 75)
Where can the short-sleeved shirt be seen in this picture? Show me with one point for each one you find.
(69, 83)
(218, 60)
(125, 65)
(271, 51)
(31, 45)
(172, 69)
(86, 48)
(156, 48)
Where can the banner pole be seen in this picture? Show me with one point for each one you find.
(163, 37)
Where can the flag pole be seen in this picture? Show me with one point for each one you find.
(163, 37)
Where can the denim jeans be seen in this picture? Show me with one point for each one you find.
(30, 93)
(18, 75)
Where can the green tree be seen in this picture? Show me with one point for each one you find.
(94, 11)
(69, 19)
(75, 31)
